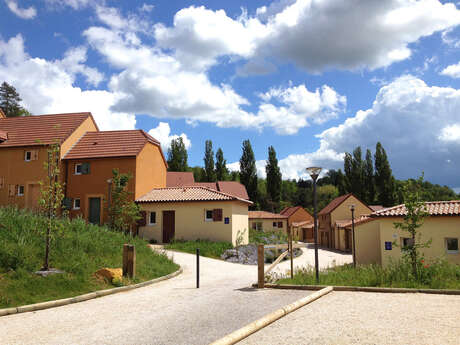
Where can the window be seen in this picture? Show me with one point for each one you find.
(452, 245)
(208, 216)
(76, 204)
(274, 224)
(78, 168)
(28, 156)
(2, 182)
(20, 190)
(152, 218)
(280, 224)
(406, 242)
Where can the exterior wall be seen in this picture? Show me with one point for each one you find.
(300, 215)
(267, 224)
(367, 243)
(190, 223)
(16, 171)
(150, 170)
(343, 210)
(86, 126)
(95, 183)
(434, 228)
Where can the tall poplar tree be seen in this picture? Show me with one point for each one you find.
(177, 155)
(347, 167)
(221, 166)
(369, 182)
(274, 177)
(248, 170)
(384, 180)
(357, 183)
(208, 159)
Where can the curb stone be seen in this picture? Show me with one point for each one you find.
(257, 325)
(85, 297)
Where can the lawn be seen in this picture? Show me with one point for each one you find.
(207, 248)
(435, 275)
(80, 250)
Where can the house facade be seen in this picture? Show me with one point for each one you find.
(267, 221)
(301, 223)
(376, 235)
(192, 213)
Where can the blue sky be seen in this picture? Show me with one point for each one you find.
(312, 78)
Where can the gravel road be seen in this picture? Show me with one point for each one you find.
(170, 312)
(368, 318)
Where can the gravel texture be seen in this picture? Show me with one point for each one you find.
(170, 312)
(368, 318)
(248, 255)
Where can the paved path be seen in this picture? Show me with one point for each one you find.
(368, 318)
(170, 312)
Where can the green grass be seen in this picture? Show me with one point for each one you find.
(436, 275)
(80, 250)
(207, 248)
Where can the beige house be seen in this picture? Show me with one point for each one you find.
(301, 223)
(191, 213)
(267, 221)
(375, 235)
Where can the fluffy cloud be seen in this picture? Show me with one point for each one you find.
(75, 4)
(417, 124)
(48, 86)
(364, 34)
(163, 134)
(452, 71)
(24, 13)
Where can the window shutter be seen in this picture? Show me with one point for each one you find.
(85, 168)
(143, 220)
(11, 190)
(67, 203)
(217, 215)
(2, 182)
(280, 224)
(34, 155)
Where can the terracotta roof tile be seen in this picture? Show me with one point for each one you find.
(110, 144)
(176, 179)
(211, 185)
(376, 207)
(183, 194)
(40, 129)
(434, 208)
(336, 202)
(265, 215)
(289, 211)
(233, 188)
(307, 224)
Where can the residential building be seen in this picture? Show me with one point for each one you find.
(331, 220)
(191, 213)
(301, 223)
(267, 221)
(376, 235)
(24, 143)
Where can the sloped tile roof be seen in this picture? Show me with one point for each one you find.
(334, 203)
(40, 129)
(211, 185)
(233, 188)
(348, 223)
(110, 144)
(376, 207)
(289, 211)
(434, 208)
(265, 215)
(307, 224)
(176, 179)
(184, 194)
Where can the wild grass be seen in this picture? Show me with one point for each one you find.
(438, 274)
(207, 248)
(80, 250)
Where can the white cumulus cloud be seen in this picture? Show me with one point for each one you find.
(163, 134)
(24, 13)
(452, 71)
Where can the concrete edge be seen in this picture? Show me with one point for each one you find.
(85, 297)
(363, 289)
(257, 325)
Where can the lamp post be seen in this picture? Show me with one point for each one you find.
(314, 173)
(352, 209)
(109, 199)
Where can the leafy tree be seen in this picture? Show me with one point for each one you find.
(248, 170)
(221, 166)
(235, 176)
(123, 211)
(326, 194)
(52, 196)
(198, 174)
(368, 179)
(9, 101)
(347, 168)
(413, 220)
(274, 177)
(384, 180)
(177, 155)
(340, 184)
(357, 181)
(208, 159)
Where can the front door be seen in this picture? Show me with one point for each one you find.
(94, 211)
(347, 240)
(169, 221)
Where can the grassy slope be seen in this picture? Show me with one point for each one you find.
(207, 248)
(436, 275)
(80, 250)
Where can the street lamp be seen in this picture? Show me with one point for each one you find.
(109, 201)
(314, 173)
(352, 209)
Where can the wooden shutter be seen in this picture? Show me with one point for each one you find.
(280, 224)
(85, 168)
(34, 155)
(11, 190)
(2, 182)
(67, 203)
(217, 215)
(143, 220)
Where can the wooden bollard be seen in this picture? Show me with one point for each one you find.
(260, 266)
(129, 261)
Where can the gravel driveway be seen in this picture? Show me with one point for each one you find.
(368, 318)
(170, 312)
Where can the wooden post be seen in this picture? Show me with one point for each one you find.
(291, 252)
(260, 267)
(129, 261)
